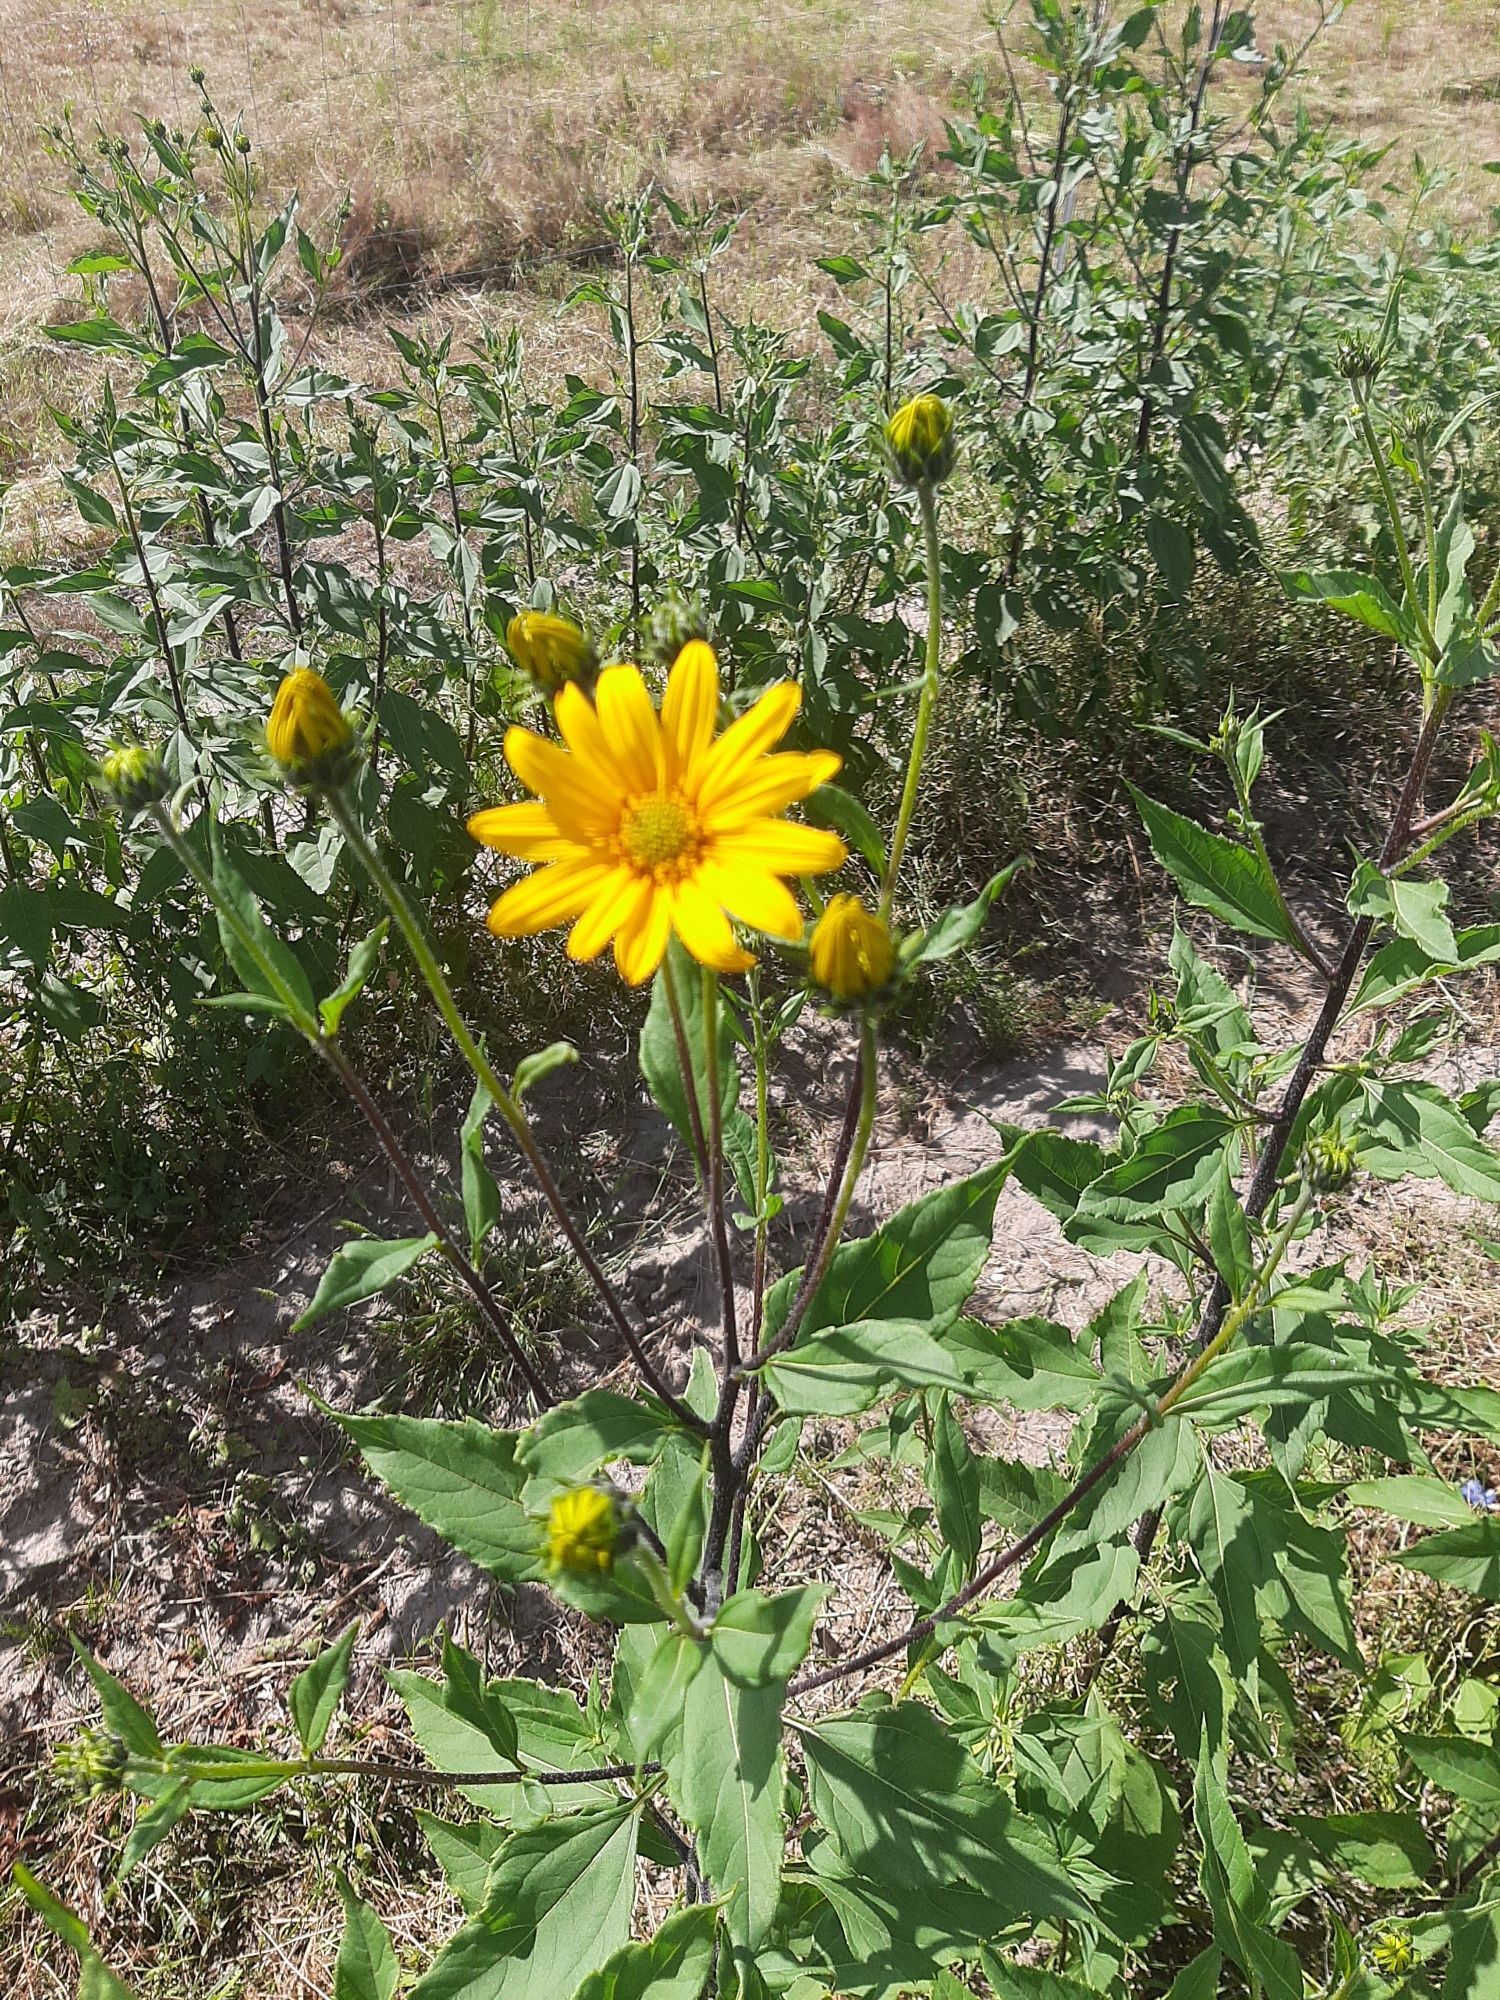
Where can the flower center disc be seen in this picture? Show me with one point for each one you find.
(658, 832)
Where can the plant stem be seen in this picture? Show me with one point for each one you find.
(1098, 1472)
(505, 1103)
(400, 1774)
(1398, 528)
(927, 702)
(379, 1124)
(731, 1359)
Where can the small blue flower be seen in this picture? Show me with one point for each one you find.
(1479, 1495)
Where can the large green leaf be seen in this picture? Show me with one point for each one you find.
(1412, 1129)
(573, 1439)
(921, 1265)
(462, 1479)
(1215, 874)
(1401, 966)
(552, 1734)
(557, 1906)
(725, 1772)
(1457, 1764)
(903, 1800)
(1363, 598)
(318, 1689)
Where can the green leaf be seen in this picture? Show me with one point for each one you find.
(318, 1690)
(1229, 1234)
(660, 1063)
(1406, 1496)
(95, 1980)
(271, 968)
(1056, 1169)
(1413, 1129)
(534, 1069)
(467, 1696)
(833, 807)
(957, 928)
(366, 1965)
(462, 1480)
(760, 1639)
(481, 1192)
(1171, 549)
(122, 1712)
(558, 1905)
(464, 1852)
(1466, 1558)
(359, 1270)
(1021, 1982)
(1238, 1900)
(362, 962)
(154, 1824)
(673, 1965)
(26, 922)
(553, 1735)
(1386, 1849)
(921, 1266)
(1173, 1167)
(1360, 597)
(1414, 909)
(657, 1698)
(1458, 1765)
(1213, 873)
(903, 1801)
(1400, 967)
(572, 1440)
(844, 1369)
(953, 1481)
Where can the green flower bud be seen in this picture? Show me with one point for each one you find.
(134, 777)
(919, 439)
(553, 651)
(674, 624)
(93, 1764)
(1393, 1951)
(309, 735)
(241, 143)
(196, 75)
(1357, 360)
(586, 1530)
(1328, 1163)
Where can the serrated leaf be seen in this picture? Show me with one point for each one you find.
(461, 1479)
(366, 1965)
(1215, 874)
(673, 1965)
(1457, 1765)
(1465, 1558)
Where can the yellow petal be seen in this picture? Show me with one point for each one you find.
(630, 728)
(749, 737)
(641, 944)
(551, 896)
(768, 786)
(691, 705)
(704, 930)
(584, 801)
(528, 831)
(579, 727)
(781, 846)
(756, 898)
(613, 903)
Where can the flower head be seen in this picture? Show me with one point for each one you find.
(919, 437)
(93, 1764)
(1393, 1951)
(308, 734)
(851, 950)
(583, 1530)
(553, 651)
(648, 823)
(134, 777)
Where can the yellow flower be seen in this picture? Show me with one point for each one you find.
(648, 824)
(851, 950)
(583, 1529)
(552, 650)
(920, 438)
(308, 734)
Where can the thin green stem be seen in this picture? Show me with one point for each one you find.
(762, 1150)
(836, 1211)
(927, 701)
(715, 1190)
(179, 1766)
(505, 1102)
(1398, 527)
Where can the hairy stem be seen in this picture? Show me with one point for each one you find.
(927, 701)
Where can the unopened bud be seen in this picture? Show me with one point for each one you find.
(134, 777)
(850, 951)
(242, 142)
(309, 735)
(1357, 360)
(93, 1764)
(1393, 1951)
(1328, 1163)
(553, 651)
(196, 75)
(919, 438)
(675, 623)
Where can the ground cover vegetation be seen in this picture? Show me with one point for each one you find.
(1136, 479)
